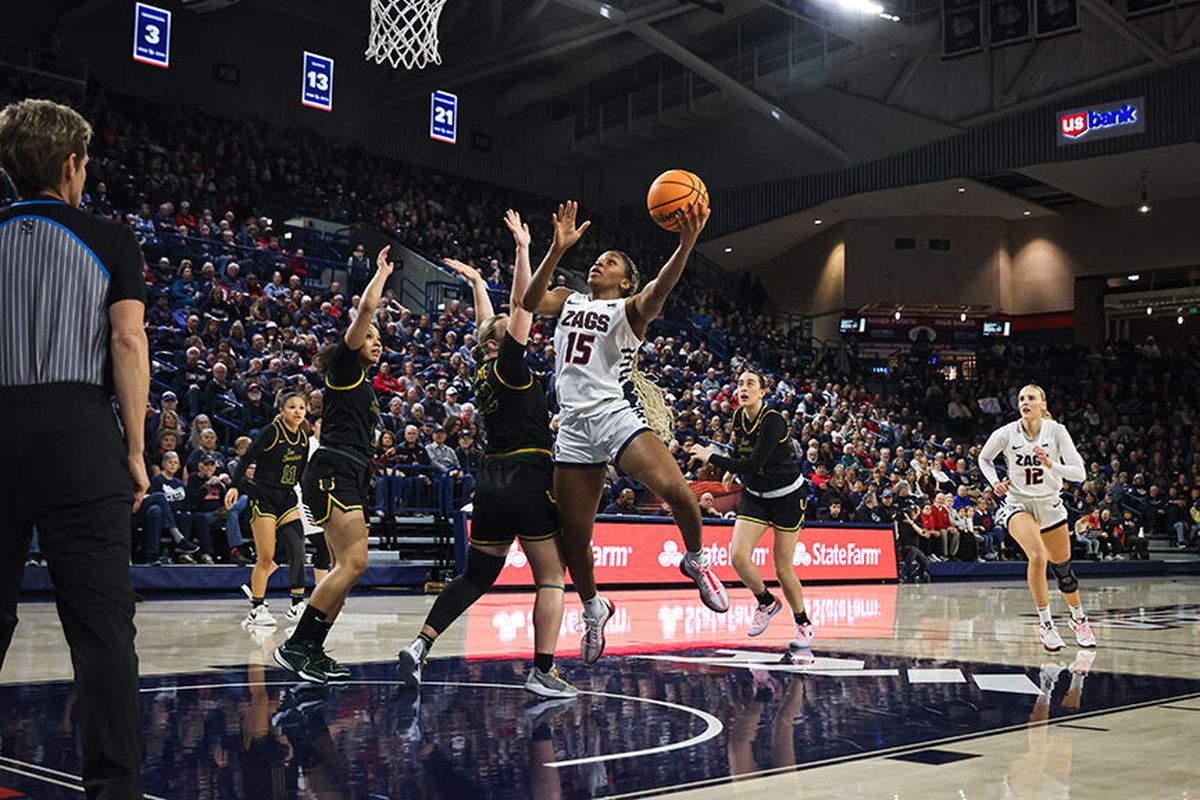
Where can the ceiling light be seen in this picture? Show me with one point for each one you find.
(897, 315)
(1027, 212)
(962, 317)
(605, 11)
(1135, 277)
(1144, 208)
(728, 249)
(888, 17)
(1179, 319)
(962, 189)
(818, 221)
(865, 6)
(775, 115)
(1149, 311)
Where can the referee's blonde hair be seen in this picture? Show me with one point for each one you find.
(36, 137)
(1045, 411)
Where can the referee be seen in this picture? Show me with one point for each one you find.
(71, 337)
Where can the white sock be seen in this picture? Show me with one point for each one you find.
(1044, 615)
(594, 607)
(1077, 613)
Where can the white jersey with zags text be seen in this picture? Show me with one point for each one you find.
(594, 349)
(1027, 475)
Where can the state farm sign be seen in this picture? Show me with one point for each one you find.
(632, 553)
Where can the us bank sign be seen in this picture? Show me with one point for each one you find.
(1104, 121)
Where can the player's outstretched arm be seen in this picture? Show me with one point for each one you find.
(479, 291)
(520, 320)
(648, 303)
(356, 334)
(536, 298)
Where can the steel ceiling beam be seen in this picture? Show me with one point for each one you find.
(1029, 70)
(531, 52)
(1130, 33)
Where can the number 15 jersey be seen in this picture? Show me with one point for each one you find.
(1028, 477)
(595, 349)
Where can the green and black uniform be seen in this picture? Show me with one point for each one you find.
(339, 473)
(279, 457)
(773, 488)
(513, 494)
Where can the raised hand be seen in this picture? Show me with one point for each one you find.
(519, 230)
(381, 261)
(466, 270)
(691, 221)
(700, 453)
(565, 232)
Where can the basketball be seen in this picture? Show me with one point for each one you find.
(673, 191)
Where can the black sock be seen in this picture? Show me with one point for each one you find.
(428, 642)
(543, 661)
(326, 627)
(802, 618)
(255, 602)
(766, 598)
(297, 599)
(311, 627)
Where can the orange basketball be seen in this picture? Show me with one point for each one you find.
(673, 191)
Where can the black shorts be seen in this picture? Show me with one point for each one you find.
(514, 497)
(333, 480)
(272, 502)
(784, 514)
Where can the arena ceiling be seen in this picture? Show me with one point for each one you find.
(614, 74)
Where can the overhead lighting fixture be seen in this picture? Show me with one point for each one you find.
(775, 115)
(728, 249)
(864, 6)
(818, 221)
(962, 317)
(1027, 212)
(605, 10)
(1135, 277)
(1149, 311)
(962, 189)
(897, 315)
(1144, 207)
(1179, 319)
(888, 17)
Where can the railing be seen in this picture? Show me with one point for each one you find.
(41, 61)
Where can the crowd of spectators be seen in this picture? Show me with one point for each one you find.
(236, 315)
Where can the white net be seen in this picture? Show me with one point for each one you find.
(405, 32)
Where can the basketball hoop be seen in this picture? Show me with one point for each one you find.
(405, 32)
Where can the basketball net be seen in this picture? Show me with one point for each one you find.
(405, 32)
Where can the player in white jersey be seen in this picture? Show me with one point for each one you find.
(602, 417)
(1040, 456)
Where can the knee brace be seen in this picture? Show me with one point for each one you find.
(320, 552)
(1067, 582)
(292, 535)
(481, 572)
(483, 569)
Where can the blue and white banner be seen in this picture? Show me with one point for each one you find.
(152, 35)
(317, 82)
(443, 117)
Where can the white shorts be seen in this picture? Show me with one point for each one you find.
(591, 441)
(1048, 512)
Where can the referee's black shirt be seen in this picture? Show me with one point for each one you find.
(60, 270)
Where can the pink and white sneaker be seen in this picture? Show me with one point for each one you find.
(712, 591)
(762, 618)
(591, 646)
(802, 637)
(1051, 641)
(1083, 632)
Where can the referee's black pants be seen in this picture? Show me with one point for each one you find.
(63, 470)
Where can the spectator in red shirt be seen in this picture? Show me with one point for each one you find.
(384, 383)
